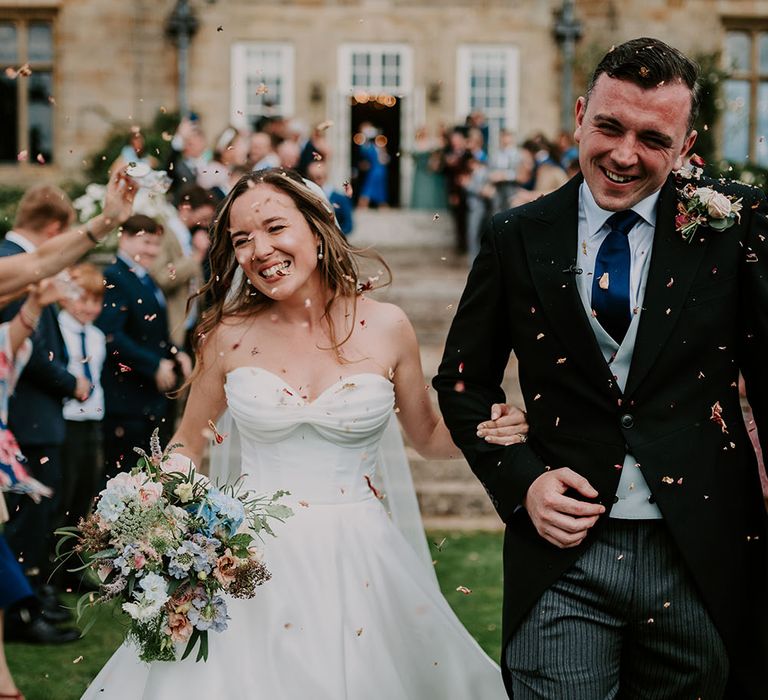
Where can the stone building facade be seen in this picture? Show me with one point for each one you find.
(100, 65)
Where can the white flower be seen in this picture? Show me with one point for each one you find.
(124, 485)
(110, 506)
(704, 194)
(719, 206)
(143, 609)
(155, 588)
(184, 491)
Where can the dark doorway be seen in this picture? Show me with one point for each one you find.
(383, 112)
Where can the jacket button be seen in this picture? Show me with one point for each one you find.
(627, 420)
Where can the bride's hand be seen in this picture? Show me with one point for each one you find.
(508, 425)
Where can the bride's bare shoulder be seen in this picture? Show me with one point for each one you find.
(381, 315)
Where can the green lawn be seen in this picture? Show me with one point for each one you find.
(472, 560)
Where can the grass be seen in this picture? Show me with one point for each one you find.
(469, 559)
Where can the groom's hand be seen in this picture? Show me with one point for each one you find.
(561, 520)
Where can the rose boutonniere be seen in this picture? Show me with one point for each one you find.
(702, 206)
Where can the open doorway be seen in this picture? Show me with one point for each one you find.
(379, 117)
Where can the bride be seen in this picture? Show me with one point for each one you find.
(312, 372)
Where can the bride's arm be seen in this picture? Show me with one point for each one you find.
(206, 402)
(418, 416)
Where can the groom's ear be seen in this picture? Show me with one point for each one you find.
(579, 111)
(686, 150)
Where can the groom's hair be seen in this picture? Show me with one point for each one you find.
(651, 63)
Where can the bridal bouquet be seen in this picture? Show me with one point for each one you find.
(168, 544)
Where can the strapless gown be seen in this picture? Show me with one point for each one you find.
(351, 612)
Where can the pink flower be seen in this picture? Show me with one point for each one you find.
(179, 627)
(224, 572)
(177, 463)
(149, 492)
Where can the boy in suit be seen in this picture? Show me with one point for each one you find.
(142, 364)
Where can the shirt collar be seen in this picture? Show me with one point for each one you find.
(137, 269)
(596, 217)
(69, 322)
(21, 241)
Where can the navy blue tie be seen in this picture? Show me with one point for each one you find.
(149, 283)
(86, 365)
(610, 284)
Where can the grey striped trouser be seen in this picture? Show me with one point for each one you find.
(625, 621)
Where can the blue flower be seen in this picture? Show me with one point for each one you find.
(188, 555)
(208, 613)
(221, 513)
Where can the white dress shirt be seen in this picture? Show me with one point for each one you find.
(96, 351)
(632, 495)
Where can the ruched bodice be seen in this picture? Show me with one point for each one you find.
(321, 450)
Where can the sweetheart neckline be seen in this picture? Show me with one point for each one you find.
(325, 391)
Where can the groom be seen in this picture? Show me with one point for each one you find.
(635, 549)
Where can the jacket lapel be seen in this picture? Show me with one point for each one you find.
(550, 239)
(674, 264)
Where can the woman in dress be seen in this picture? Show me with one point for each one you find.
(15, 349)
(312, 372)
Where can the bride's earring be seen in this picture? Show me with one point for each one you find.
(320, 250)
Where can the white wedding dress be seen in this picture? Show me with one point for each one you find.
(351, 612)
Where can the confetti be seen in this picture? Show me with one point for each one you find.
(373, 489)
(123, 368)
(78, 659)
(464, 590)
(604, 281)
(435, 217)
(717, 417)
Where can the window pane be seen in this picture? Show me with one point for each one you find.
(40, 41)
(736, 131)
(763, 45)
(737, 51)
(8, 43)
(761, 147)
(9, 144)
(40, 116)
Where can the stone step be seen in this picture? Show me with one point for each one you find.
(453, 499)
(402, 228)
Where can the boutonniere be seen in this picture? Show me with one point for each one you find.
(702, 206)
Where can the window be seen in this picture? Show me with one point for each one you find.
(26, 98)
(488, 83)
(745, 123)
(262, 82)
(375, 68)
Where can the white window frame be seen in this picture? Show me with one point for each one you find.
(465, 57)
(242, 70)
(377, 50)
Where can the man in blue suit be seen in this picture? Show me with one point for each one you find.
(141, 365)
(36, 407)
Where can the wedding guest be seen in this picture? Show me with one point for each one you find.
(317, 172)
(545, 174)
(372, 165)
(140, 366)
(83, 459)
(25, 619)
(456, 166)
(178, 268)
(134, 151)
(316, 147)
(289, 154)
(428, 190)
(230, 151)
(480, 193)
(54, 254)
(189, 156)
(504, 165)
(262, 152)
(36, 417)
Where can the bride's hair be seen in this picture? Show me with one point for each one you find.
(338, 266)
